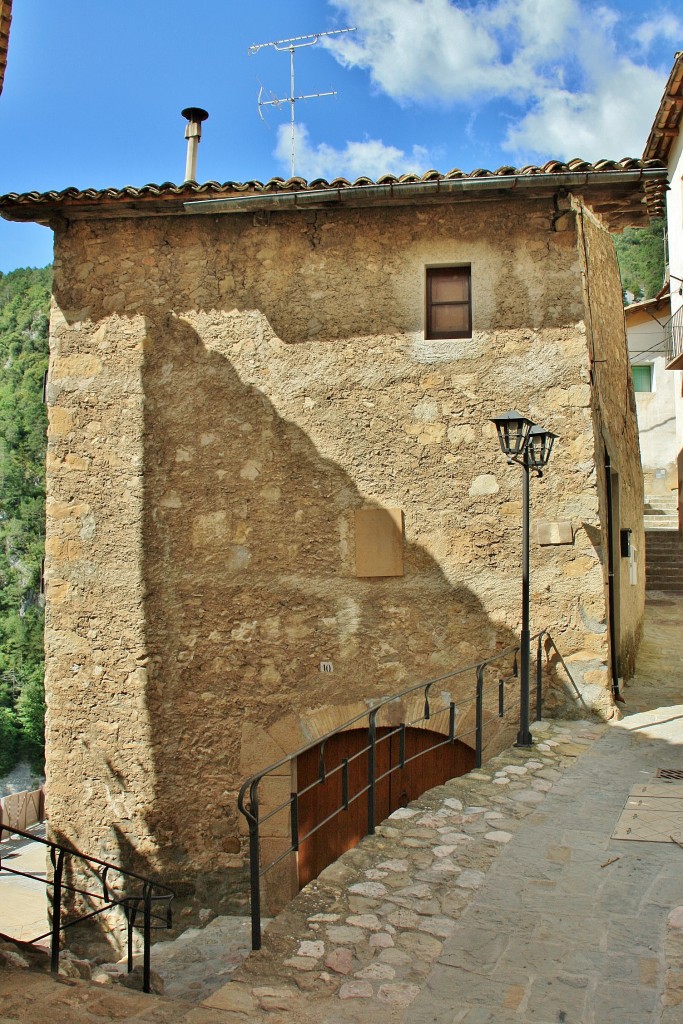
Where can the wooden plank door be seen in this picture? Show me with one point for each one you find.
(319, 801)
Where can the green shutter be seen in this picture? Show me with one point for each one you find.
(642, 377)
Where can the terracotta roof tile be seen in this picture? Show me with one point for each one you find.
(131, 200)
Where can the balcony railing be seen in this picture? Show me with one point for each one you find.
(674, 341)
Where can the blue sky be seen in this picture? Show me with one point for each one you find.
(93, 92)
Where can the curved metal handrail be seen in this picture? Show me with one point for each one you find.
(150, 894)
(248, 797)
(382, 702)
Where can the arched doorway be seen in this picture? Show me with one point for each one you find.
(345, 830)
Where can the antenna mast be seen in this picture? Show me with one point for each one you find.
(282, 46)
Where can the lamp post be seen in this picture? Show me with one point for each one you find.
(529, 446)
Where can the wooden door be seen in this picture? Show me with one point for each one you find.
(318, 801)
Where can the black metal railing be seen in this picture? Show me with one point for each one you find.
(139, 898)
(674, 336)
(490, 702)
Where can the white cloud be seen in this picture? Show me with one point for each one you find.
(664, 26)
(433, 49)
(602, 122)
(576, 90)
(370, 157)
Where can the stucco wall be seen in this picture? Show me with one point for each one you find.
(224, 394)
(615, 430)
(674, 215)
(656, 409)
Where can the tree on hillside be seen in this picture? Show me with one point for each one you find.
(642, 260)
(24, 310)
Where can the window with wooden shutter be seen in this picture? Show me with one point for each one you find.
(449, 302)
(642, 377)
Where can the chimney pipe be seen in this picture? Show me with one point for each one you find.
(193, 133)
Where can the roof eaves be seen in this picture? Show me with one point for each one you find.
(168, 198)
(669, 117)
(5, 22)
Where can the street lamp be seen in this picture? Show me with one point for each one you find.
(528, 445)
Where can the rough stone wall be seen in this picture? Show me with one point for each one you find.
(224, 394)
(616, 428)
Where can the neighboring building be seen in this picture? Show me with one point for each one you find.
(666, 143)
(231, 385)
(5, 21)
(656, 397)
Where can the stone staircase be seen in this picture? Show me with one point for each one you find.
(661, 512)
(663, 545)
(664, 561)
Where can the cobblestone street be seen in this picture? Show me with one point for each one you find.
(497, 898)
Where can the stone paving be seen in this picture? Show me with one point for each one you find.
(371, 934)
(497, 898)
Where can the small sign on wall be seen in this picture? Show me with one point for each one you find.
(379, 542)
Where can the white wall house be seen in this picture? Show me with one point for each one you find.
(655, 390)
(665, 143)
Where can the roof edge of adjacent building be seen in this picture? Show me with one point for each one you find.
(669, 117)
(5, 22)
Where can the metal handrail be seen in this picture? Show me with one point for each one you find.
(149, 893)
(673, 336)
(248, 798)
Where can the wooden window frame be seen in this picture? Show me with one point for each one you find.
(432, 273)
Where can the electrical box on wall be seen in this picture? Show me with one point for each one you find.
(379, 542)
(625, 538)
(633, 567)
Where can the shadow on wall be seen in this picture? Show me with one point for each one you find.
(248, 567)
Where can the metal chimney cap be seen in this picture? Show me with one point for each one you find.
(195, 114)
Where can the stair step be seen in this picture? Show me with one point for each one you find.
(661, 499)
(663, 550)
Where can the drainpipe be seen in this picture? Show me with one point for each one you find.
(193, 133)
(614, 668)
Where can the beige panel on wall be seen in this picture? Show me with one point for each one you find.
(379, 542)
(554, 533)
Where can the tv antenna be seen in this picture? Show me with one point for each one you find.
(291, 45)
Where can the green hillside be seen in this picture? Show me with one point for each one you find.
(641, 256)
(24, 310)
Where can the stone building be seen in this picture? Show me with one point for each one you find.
(232, 384)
